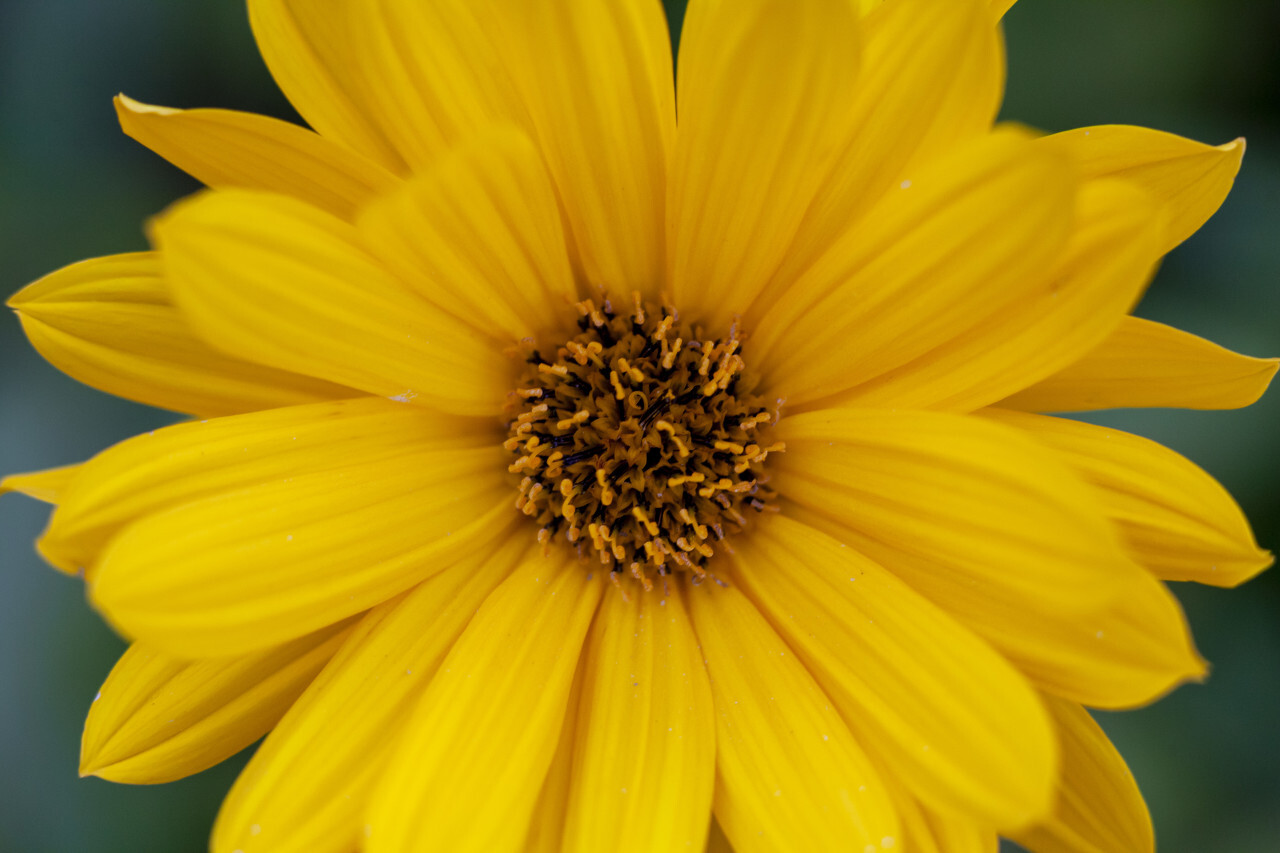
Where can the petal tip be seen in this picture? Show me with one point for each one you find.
(1252, 564)
(1236, 146)
(126, 104)
(18, 300)
(49, 552)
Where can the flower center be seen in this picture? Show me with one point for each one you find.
(637, 441)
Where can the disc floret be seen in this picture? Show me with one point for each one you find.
(639, 441)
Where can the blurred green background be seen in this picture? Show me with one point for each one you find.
(72, 186)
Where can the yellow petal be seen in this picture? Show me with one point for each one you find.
(1173, 516)
(597, 81)
(1118, 655)
(431, 73)
(927, 831)
(932, 77)
(308, 47)
(48, 485)
(1099, 808)
(790, 776)
(958, 725)
(990, 511)
(306, 789)
(1144, 363)
(224, 148)
(970, 236)
(1190, 180)
(158, 718)
(644, 759)
(1106, 267)
(246, 567)
(480, 236)
(110, 322)
(185, 462)
(546, 826)
(996, 7)
(467, 773)
(277, 281)
(762, 86)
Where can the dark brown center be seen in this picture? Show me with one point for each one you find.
(639, 441)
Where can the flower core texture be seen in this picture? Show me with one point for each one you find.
(640, 440)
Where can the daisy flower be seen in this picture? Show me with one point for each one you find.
(579, 450)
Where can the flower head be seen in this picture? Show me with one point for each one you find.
(561, 472)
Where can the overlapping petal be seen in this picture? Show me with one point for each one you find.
(110, 322)
(282, 283)
(932, 77)
(957, 723)
(761, 88)
(547, 824)
(225, 148)
(480, 236)
(716, 840)
(240, 559)
(1002, 534)
(925, 830)
(308, 47)
(1190, 180)
(179, 464)
(429, 74)
(790, 774)
(1105, 268)
(1099, 807)
(158, 718)
(969, 237)
(306, 789)
(1144, 363)
(1174, 517)
(993, 512)
(1121, 655)
(467, 773)
(596, 79)
(644, 755)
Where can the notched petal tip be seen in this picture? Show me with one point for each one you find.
(1267, 368)
(91, 764)
(25, 296)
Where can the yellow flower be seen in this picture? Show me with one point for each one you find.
(789, 541)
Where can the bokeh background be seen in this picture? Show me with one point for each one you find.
(72, 186)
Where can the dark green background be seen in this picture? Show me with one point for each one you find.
(72, 186)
